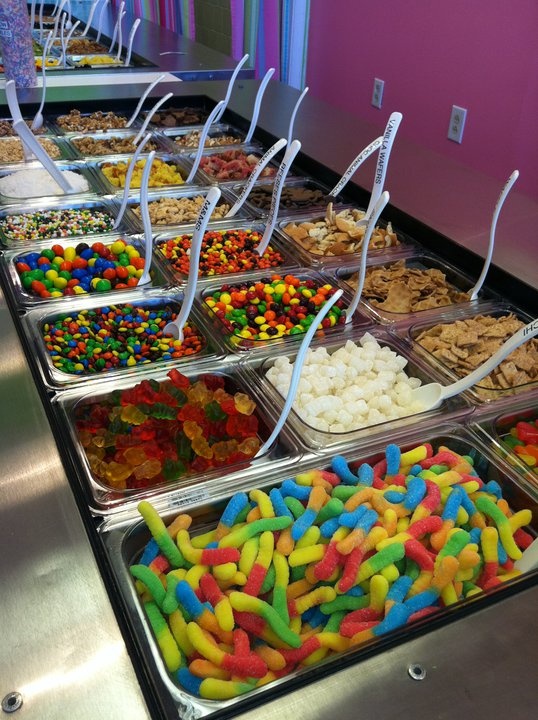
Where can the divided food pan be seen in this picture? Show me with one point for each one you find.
(465, 341)
(63, 339)
(376, 393)
(150, 423)
(125, 540)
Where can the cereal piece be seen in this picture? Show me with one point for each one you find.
(192, 140)
(178, 211)
(109, 146)
(76, 122)
(11, 149)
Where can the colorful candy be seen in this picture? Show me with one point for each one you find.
(157, 432)
(271, 308)
(115, 336)
(522, 439)
(223, 252)
(61, 223)
(58, 270)
(287, 610)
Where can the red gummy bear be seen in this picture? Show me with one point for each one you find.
(178, 379)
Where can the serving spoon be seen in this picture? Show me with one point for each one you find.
(354, 166)
(430, 396)
(128, 178)
(201, 142)
(148, 234)
(257, 104)
(175, 327)
(230, 86)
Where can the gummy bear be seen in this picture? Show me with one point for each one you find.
(135, 456)
(242, 425)
(191, 412)
(244, 404)
(192, 430)
(183, 445)
(117, 474)
(223, 450)
(201, 447)
(178, 379)
(133, 415)
(213, 382)
(173, 469)
(148, 470)
(228, 405)
(249, 446)
(213, 411)
(199, 394)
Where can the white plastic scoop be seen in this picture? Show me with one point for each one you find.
(355, 165)
(41, 8)
(529, 560)
(130, 42)
(90, 17)
(120, 36)
(294, 113)
(150, 114)
(201, 142)
(280, 178)
(175, 327)
(143, 98)
(432, 395)
(297, 369)
(502, 197)
(32, 143)
(380, 206)
(32, 15)
(382, 162)
(257, 104)
(37, 122)
(117, 25)
(58, 18)
(230, 86)
(148, 234)
(100, 21)
(128, 178)
(262, 162)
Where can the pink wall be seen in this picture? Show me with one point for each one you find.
(479, 54)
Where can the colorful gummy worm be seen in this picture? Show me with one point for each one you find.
(115, 336)
(156, 432)
(67, 222)
(273, 307)
(522, 439)
(324, 562)
(59, 271)
(223, 252)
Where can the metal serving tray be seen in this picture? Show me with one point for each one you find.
(479, 394)
(216, 131)
(177, 277)
(285, 210)
(124, 541)
(423, 261)
(154, 196)
(75, 166)
(78, 61)
(103, 498)
(36, 207)
(26, 299)
(176, 160)
(271, 167)
(157, 141)
(237, 344)
(318, 440)
(80, 323)
(348, 259)
(63, 149)
(45, 129)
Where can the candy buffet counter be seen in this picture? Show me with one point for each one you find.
(79, 635)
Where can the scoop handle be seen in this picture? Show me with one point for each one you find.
(230, 86)
(201, 143)
(382, 161)
(206, 211)
(257, 104)
(294, 113)
(380, 206)
(143, 98)
(116, 24)
(500, 202)
(355, 165)
(130, 41)
(148, 234)
(90, 17)
(100, 21)
(262, 162)
(120, 36)
(38, 115)
(281, 175)
(297, 369)
(128, 177)
(150, 114)
(521, 336)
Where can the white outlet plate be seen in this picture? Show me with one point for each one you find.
(377, 94)
(457, 123)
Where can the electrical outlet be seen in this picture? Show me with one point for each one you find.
(377, 94)
(457, 123)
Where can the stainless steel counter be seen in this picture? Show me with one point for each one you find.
(62, 646)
